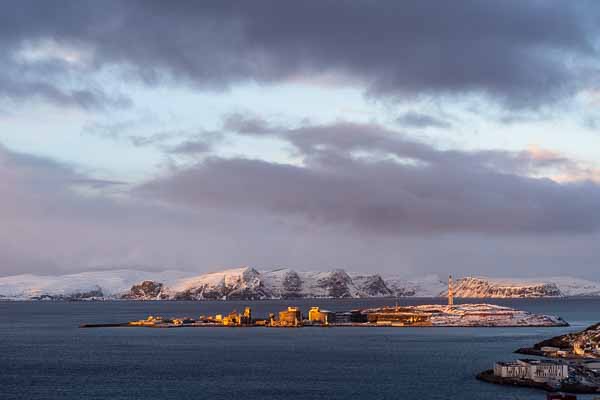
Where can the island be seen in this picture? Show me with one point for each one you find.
(461, 315)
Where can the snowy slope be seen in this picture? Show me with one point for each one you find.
(250, 283)
(242, 283)
(503, 288)
(480, 287)
(101, 283)
(426, 286)
(575, 287)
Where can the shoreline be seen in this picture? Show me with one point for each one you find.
(458, 300)
(571, 365)
(426, 315)
(357, 325)
(532, 351)
(489, 377)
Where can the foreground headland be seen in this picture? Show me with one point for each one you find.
(578, 345)
(463, 315)
(573, 364)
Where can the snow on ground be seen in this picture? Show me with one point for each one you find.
(281, 281)
(225, 278)
(490, 315)
(525, 287)
(567, 285)
(575, 286)
(426, 286)
(109, 282)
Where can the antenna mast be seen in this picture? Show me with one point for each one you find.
(450, 292)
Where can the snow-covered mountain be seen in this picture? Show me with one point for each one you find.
(96, 284)
(478, 287)
(511, 288)
(426, 286)
(249, 283)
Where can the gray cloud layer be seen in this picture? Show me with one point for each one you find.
(336, 211)
(523, 54)
(379, 181)
(420, 120)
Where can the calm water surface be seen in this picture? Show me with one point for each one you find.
(43, 355)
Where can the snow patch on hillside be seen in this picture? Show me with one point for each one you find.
(109, 283)
(250, 283)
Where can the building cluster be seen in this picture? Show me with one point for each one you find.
(235, 319)
(587, 348)
(581, 348)
(293, 317)
(543, 371)
(159, 321)
(398, 316)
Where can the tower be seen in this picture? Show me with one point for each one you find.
(450, 292)
(246, 319)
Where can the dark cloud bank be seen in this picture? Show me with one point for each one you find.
(365, 198)
(380, 181)
(523, 54)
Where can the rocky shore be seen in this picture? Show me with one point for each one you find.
(578, 345)
(567, 386)
(576, 352)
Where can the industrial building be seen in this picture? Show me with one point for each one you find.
(358, 317)
(235, 319)
(398, 316)
(290, 317)
(343, 317)
(534, 370)
(319, 316)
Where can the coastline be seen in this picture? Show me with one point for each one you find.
(428, 315)
(489, 377)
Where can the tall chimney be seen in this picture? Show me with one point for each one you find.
(450, 292)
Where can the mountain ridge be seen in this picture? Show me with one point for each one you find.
(247, 283)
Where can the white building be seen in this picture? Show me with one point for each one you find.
(514, 369)
(535, 370)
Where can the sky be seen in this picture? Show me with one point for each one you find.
(404, 138)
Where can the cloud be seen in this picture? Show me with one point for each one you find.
(133, 131)
(247, 124)
(376, 180)
(191, 147)
(225, 212)
(19, 89)
(50, 226)
(519, 54)
(42, 66)
(419, 120)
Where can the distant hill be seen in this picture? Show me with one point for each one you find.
(249, 283)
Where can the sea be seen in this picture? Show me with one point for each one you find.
(45, 355)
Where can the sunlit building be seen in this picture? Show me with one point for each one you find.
(316, 315)
(397, 316)
(246, 317)
(290, 317)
